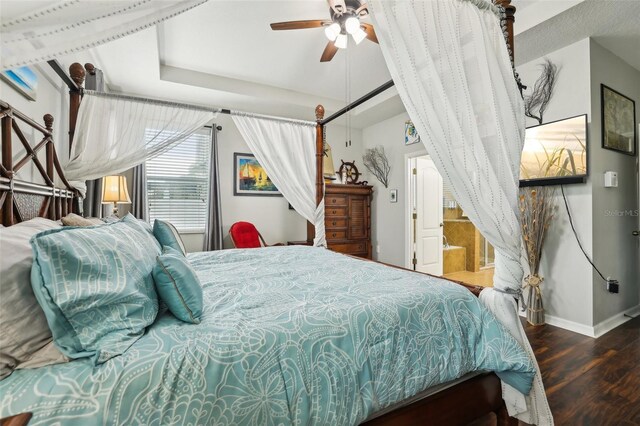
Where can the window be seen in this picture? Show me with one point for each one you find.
(178, 182)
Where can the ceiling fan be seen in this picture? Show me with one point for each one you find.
(345, 20)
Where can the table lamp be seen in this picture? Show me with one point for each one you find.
(328, 169)
(114, 190)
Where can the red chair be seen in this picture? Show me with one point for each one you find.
(245, 235)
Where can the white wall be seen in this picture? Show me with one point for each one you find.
(271, 215)
(567, 275)
(615, 210)
(51, 98)
(388, 219)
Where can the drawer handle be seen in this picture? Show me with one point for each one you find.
(334, 201)
(334, 223)
(333, 211)
(334, 234)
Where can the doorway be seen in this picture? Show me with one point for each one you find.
(441, 238)
(425, 216)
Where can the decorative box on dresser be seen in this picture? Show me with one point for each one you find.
(348, 219)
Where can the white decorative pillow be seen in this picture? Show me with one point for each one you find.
(73, 219)
(25, 332)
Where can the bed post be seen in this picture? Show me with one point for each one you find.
(510, 12)
(77, 73)
(50, 153)
(311, 231)
(7, 167)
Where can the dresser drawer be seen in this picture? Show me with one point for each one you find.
(335, 211)
(335, 200)
(336, 235)
(335, 223)
(349, 248)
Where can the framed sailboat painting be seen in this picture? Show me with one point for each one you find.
(249, 178)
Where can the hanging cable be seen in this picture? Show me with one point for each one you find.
(575, 233)
(348, 96)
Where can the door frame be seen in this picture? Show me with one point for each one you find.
(408, 205)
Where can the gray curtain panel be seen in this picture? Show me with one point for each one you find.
(139, 205)
(213, 229)
(92, 202)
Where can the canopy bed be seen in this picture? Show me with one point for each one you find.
(458, 398)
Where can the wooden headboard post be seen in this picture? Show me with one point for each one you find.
(6, 198)
(77, 73)
(311, 230)
(50, 153)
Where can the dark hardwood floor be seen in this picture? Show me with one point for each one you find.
(590, 381)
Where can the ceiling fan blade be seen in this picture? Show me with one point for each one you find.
(329, 52)
(299, 25)
(371, 34)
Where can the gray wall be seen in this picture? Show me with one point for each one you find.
(389, 219)
(568, 280)
(615, 210)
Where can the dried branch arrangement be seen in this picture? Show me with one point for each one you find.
(542, 92)
(537, 207)
(376, 161)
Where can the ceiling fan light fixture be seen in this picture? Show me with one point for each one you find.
(359, 35)
(352, 24)
(341, 41)
(332, 31)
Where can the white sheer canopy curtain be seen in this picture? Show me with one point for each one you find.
(116, 132)
(37, 33)
(286, 150)
(450, 64)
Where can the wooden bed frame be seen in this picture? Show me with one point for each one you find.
(20, 200)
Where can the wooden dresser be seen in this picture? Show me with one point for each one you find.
(348, 219)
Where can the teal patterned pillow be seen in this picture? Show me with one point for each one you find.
(168, 235)
(95, 286)
(178, 285)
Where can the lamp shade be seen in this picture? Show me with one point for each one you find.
(114, 190)
(341, 41)
(359, 35)
(328, 169)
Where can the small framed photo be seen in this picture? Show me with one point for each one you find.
(249, 178)
(618, 121)
(24, 80)
(393, 195)
(410, 133)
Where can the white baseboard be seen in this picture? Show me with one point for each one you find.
(586, 330)
(576, 327)
(614, 321)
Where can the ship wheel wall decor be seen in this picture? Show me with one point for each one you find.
(350, 172)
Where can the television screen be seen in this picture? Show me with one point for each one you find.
(555, 153)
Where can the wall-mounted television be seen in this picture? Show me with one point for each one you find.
(555, 153)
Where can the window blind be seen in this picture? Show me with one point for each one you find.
(178, 182)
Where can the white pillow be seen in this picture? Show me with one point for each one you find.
(73, 219)
(26, 337)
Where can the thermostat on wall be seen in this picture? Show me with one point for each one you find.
(610, 179)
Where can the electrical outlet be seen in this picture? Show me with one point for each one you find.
(377, 249)
(613, 286)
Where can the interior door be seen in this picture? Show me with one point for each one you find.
(429, 217)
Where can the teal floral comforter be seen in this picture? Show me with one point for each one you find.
(289, 335)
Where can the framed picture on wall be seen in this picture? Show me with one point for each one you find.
(410, 133)
(24, 80)
(618, 121)
(249, 178)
